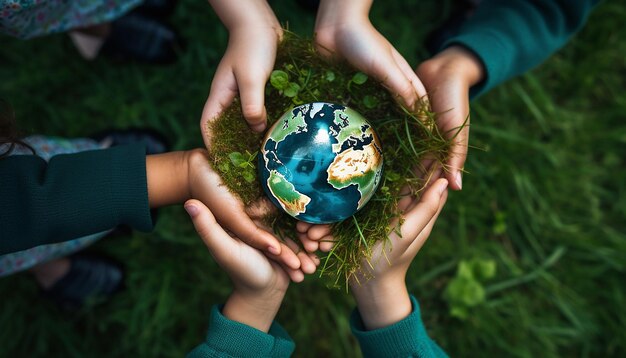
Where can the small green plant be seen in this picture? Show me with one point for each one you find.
(245, 164)
(280, 80)
(466, 289)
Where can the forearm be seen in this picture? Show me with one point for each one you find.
(406, 338)
(332, 12)
(456, 62)
(257, 311)
(382, 303)
(71, 196)
(511, 37)
(244, 13)
(168, 178)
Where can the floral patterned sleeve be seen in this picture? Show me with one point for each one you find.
(26, 19)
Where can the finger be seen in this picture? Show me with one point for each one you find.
(327, 243)
(223, 91)
(385, 69)
(308, 244)
(287, 257)
(449, 99)
(302, 226)
(219, 243)
(416, 219)
(234, 218)
(456, 162)
(317, 232)
(295, 275)
(406, 199)
(428, 170)
(424, 166)
(425, 234)
(252, 92)
(404, 66)
(316, 260)
(247, 231)
(307, 265)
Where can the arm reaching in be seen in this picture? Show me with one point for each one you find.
(343, 30)
(448, 78)
(387, 322)
(501, 39)
(178, 176)
(259, 286)
(254, 33)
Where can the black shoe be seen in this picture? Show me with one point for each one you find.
(154, 141)
(135, 37)
(160, 9)
(89, 279)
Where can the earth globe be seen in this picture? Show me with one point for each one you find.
(320, 162)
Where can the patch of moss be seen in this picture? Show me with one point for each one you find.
(301, 76)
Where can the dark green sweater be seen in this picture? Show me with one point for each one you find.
(512, 36)
(226, 338)
(71, 196)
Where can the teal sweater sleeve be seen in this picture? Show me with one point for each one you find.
(512, 36)
(71, 196)
(407, 338)
(226, 338)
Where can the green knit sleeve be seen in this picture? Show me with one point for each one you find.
(407, 338)
(71, 196)
(512, 36)
(227, 338)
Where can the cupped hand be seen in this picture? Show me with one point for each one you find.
(206, 185)
(259, 283)
(245, 67)
(448, 78)
(343, 30)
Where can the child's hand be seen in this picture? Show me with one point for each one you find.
(259, 284)
(254, 33)
(379, 288)
(380, 292)
(448, 77)
(207, 186)
(342, 29)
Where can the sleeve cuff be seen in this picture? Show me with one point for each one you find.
(240, 340)
(402, 339)
(492, 51)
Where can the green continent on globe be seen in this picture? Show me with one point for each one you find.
(290, 199)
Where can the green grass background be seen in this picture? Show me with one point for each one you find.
(544, 199)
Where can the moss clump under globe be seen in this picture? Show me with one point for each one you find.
(302, 76)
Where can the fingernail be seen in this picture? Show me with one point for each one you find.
(442, 187)
(273, 250)
(192, 210)
(258, 127)
(459, 180)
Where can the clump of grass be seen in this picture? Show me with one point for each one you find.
(301, 75)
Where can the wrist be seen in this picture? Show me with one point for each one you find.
(333, 13)
(257, 14)
(382, 302)
(461, 61)
(168, 177)
(254, 310)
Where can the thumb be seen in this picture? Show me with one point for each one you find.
(223, 91)
(219, 243)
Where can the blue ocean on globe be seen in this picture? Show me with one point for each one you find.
(320, 162)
